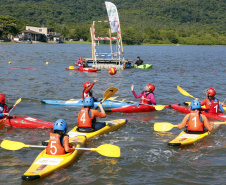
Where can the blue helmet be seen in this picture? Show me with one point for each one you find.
(88, 102)
(195, 104)
(61, 125)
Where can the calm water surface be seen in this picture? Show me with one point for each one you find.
(146, 158)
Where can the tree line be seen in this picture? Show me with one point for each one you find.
(142, 21)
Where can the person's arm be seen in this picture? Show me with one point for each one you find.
(96, 113)
(67, 147)
(134, 94)
(221, 108)
(151, 99)
(184, 122)
(89, 88)
(207, 123)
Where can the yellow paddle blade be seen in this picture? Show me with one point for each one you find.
(71, 67)
(182, 91)
(109, 93)
(159, 107)
(112, 98)
(219, 123)
(108, 150)
(163, 126)
(18, 101)
(12, 145)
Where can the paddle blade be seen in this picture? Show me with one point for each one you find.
(12, 145)
(108, 150)
(112, 98)
(163, 126)
(17, 102)
(182, 91)
(109, 93)
(159, 107)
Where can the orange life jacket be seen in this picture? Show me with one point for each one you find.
(194, 123)
(84, 119)
(54, 147)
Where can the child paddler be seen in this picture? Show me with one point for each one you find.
(87, 92)
(211, 103)
(87, 116)
(195, 121)
(3, 107)
(59, 140)
(80, 62)
(147, 96)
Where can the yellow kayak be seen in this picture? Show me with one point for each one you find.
(110, 126)
(186, 139)
(45, 164)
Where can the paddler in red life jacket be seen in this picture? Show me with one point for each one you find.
(195, 121)
(59, 140)
(80, 62)
(212, 104)
(147, 96)
(3, 107)
(87, 92)
(87, 117)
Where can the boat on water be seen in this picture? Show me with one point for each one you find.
(45, 164)
(143, 66)
(82, 69)
(79, 102)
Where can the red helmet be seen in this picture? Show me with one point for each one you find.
(211, 92)
(80, 58)
(87, 84)
(2, 98)
(151, 87)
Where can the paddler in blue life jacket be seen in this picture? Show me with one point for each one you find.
(211, 103)
(59, 140)
(139, 62)
(3, 107)
(87, 117)
(195, 121)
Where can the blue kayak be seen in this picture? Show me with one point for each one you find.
(78, 102)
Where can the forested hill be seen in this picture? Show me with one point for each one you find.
(207, 15)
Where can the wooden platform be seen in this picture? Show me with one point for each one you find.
(107, 63)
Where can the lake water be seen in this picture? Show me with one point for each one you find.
(145, 156)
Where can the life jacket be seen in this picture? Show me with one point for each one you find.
(214, 107)
(55, 145)
(143, 98)
(4, 108)
(84, 118)
(195, 122)
(86, 95)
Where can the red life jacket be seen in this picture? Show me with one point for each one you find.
(84, 119)
(86, 95)
(214, 107)
(6, 109)
(194, 123)
(54, 147)
(143, 98)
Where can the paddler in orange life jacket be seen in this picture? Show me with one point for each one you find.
(147, 96)
(195, 121)
(211, 103)
(3, 107)
(59, 140)
(87, 117)
(87, 92)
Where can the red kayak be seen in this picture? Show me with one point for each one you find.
(133, 108)
(85, 69)
(187, 110)
(27, 122)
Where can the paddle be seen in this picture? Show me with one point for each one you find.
(164, 126)
(108, 93)
(185, 93)
(16, 103)
(105, 149)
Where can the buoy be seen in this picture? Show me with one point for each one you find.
(112, 71)
(47, 63)
(9, 62)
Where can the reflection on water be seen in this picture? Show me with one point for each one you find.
(145, 156)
